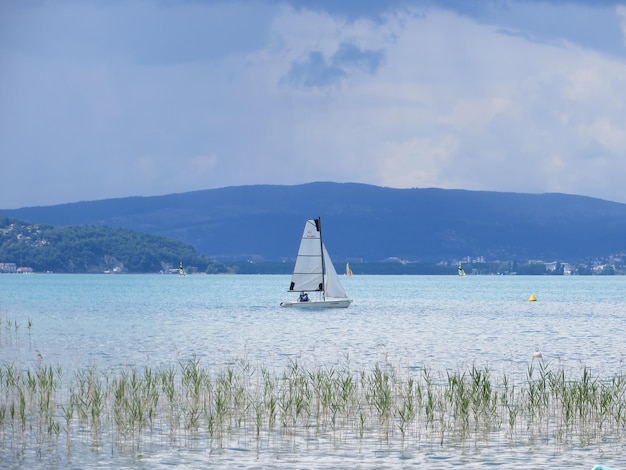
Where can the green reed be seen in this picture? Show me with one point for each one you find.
(11, 333)
(191, 404)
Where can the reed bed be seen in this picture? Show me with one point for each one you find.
(44, 407)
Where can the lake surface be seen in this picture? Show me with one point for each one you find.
(414, 323)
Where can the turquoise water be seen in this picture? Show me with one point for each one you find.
(439, 323)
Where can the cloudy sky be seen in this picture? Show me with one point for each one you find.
(103, 99)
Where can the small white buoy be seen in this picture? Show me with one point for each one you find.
(532, 298)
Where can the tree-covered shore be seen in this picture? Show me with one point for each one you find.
(86, 249)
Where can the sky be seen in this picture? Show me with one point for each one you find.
(107, 99)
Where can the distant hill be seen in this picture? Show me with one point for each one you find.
(87, 249)
(362, 222)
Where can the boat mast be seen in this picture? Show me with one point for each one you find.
(318, 225)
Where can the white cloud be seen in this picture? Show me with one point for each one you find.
(420, 97)
(612, 137)
(511, 106)
(419, 162)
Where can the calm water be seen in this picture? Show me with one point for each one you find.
(412, 322)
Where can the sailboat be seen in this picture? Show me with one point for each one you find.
(181, 270)
(314, 272)
(348, 270)
(461, 270)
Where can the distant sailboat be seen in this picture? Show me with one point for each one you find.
(181, 270)
(314, 272)
(348, 270)
(461, 270)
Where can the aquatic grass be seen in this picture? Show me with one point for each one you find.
(30, 328)
(379, 394)
(12, 332)
(406, 409)
(17, 336)
(194, 405)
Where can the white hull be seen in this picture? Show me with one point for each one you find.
(328, 303)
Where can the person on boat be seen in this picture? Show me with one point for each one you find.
(304, 297)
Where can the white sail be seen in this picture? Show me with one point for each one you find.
(333, 287)
(308, 271)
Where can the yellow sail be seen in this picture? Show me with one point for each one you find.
(461, 270)
(348, 270)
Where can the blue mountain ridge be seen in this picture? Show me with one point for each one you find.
(362, 221)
